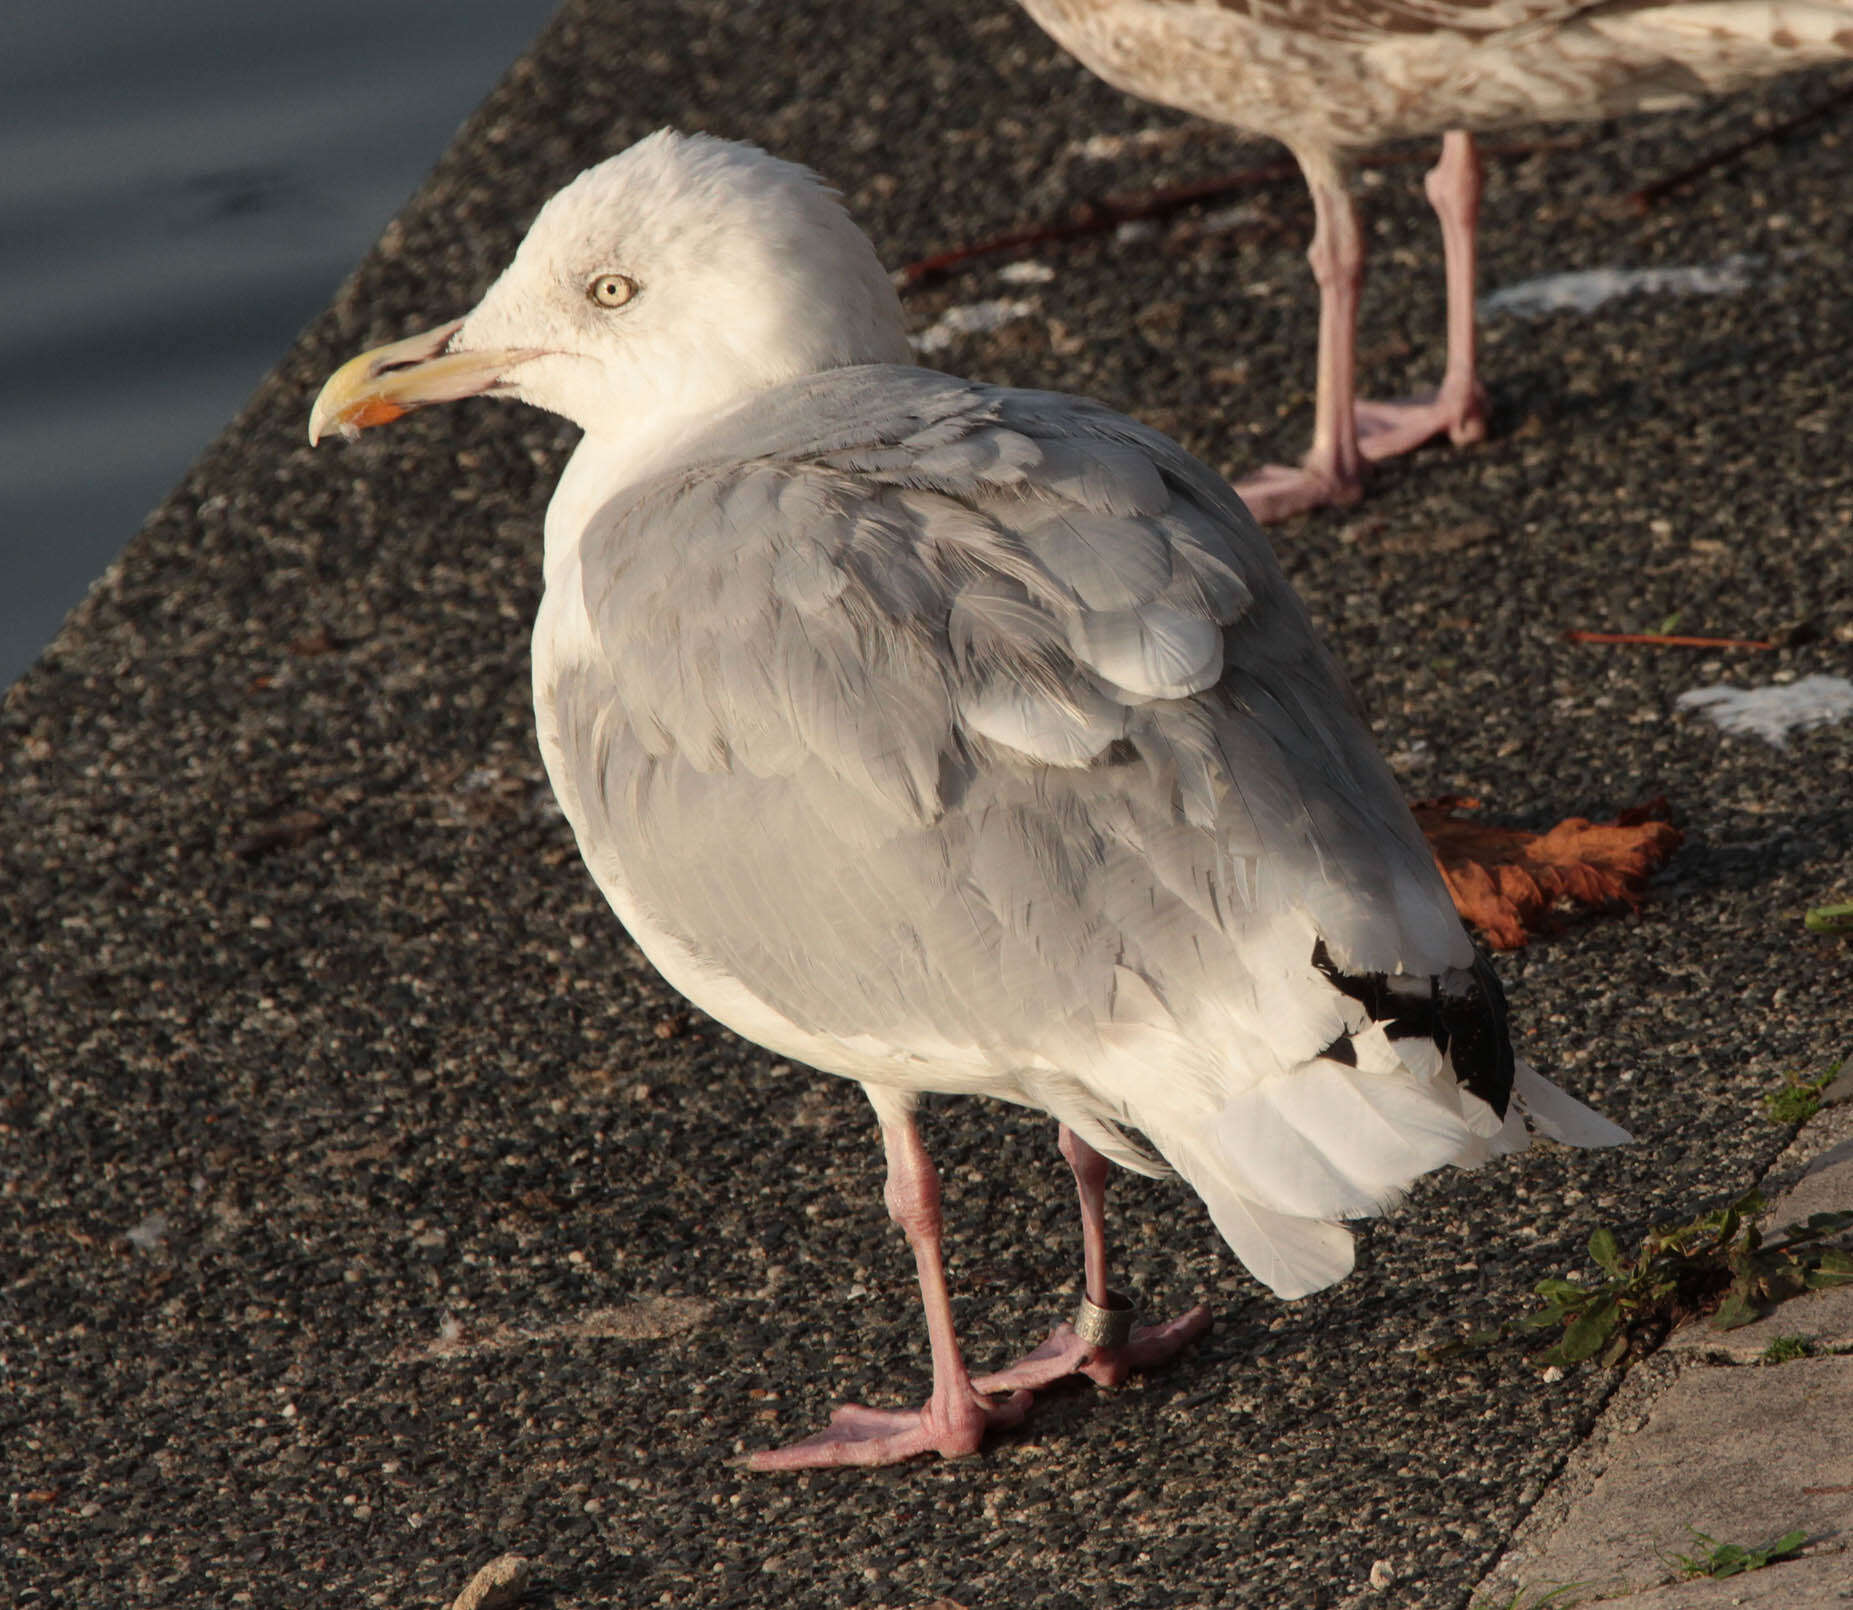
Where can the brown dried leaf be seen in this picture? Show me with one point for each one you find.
(1505, 880)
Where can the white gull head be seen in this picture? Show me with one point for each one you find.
(661, 286)
(680, 277)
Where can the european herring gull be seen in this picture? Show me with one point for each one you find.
(1325, 77)
(965, 740)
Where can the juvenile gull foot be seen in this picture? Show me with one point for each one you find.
(1383, 430)
(1387, 429)
(1278, 491)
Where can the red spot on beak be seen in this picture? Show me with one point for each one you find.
(375, 411)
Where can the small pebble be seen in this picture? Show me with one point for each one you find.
(496, 1586)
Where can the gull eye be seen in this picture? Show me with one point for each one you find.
(612, 290)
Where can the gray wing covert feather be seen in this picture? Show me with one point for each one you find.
(925, 707)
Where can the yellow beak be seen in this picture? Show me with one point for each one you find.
(381, 385)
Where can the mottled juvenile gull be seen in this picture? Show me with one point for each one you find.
(958, 739)
(1325, 77)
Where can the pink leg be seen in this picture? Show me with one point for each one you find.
(1064, 1353)
(956, 1417)
(1459, 405)
(1332, 470)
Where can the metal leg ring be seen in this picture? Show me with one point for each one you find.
(1110, 1326)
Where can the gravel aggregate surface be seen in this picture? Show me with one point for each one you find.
(372, 1210)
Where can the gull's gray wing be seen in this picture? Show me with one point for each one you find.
(948, 722)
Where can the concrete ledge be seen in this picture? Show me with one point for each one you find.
(1824, 1583)
(1745, 1455)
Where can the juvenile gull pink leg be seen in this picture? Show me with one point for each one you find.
(1332, 471)
(1346, 431)
(956, 1417)
(1458, 406)
(1065, 1353)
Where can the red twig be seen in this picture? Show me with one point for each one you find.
(1109, 212)
(1664, 640)
(1642, 200)
(1096, 217)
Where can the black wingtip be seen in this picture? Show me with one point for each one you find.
(1463, 1011)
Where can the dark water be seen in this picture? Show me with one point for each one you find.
(182, 187)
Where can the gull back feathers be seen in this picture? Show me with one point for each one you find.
(961, 739)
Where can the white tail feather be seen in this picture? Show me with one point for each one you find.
(1558, 1115)
(1279, 1161)
(1478, 1115)
(1331, 1141)
(1290, 1256)
(1512, 1135)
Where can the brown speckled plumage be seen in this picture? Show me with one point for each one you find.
(1328, 76)
(1338, 74)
